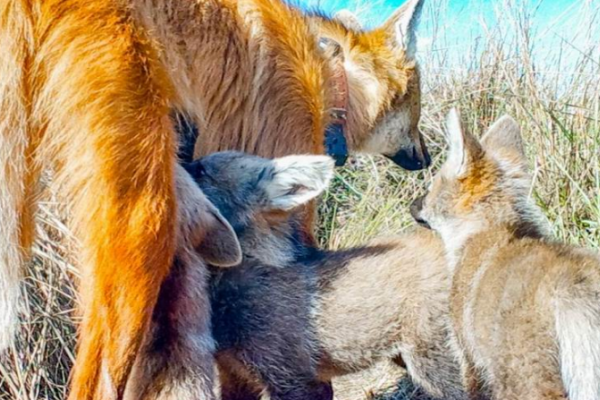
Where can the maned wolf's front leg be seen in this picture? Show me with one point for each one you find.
(104, 100)
(125, 219)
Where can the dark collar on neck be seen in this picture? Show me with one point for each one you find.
(336, 145)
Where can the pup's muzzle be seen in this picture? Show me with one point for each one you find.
(415, 210)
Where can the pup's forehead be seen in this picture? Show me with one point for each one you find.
(233, 160)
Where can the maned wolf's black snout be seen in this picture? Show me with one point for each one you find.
(412, 158)
(415, 210)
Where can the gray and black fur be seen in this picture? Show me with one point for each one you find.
(284, 321)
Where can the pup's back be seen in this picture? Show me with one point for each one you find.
(531, 300)
(390, 285)
(389, 300)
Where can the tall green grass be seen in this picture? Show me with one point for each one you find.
(554, 94)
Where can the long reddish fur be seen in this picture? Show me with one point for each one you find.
(96, 108)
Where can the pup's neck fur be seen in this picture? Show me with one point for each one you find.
(458, 235)
(279, 243)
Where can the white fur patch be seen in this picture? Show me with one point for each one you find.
(455, 235)
(298, 179)
(578, 331)
(456, 162)
(107, 382)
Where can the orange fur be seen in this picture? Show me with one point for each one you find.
(86, 88)
(97, 111)
(478, 184)
(276, 83)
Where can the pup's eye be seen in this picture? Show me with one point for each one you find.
(199, 171)
(195, 169)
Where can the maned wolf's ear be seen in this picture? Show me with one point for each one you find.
(220, 245)
(464, 147)
(297, 179)
(504, 139)
(402, 26)
(348, 19)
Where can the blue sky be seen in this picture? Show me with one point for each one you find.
(379, 10)
(465, 22)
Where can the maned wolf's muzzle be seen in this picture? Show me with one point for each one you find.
(415, 210)
(413, 157)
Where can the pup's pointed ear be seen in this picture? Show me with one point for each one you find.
(295, 180)
(402, 26)
(220, 245)
(503, 139)
(464, 148)
(348, 19)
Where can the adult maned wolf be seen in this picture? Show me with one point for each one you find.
(525, 309)
(87, 87)
(278, 82)
(291, 316)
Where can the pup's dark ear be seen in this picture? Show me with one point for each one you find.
(220, 245)
(202, 225)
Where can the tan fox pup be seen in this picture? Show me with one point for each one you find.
(525, 309)
(87, 87)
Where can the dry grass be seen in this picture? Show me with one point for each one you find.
(553, 92)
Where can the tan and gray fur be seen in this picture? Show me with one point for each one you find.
(88, 87)
(292, 316)
(525, 308)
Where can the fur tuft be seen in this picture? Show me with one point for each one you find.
(298, 179)
(578, 330)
